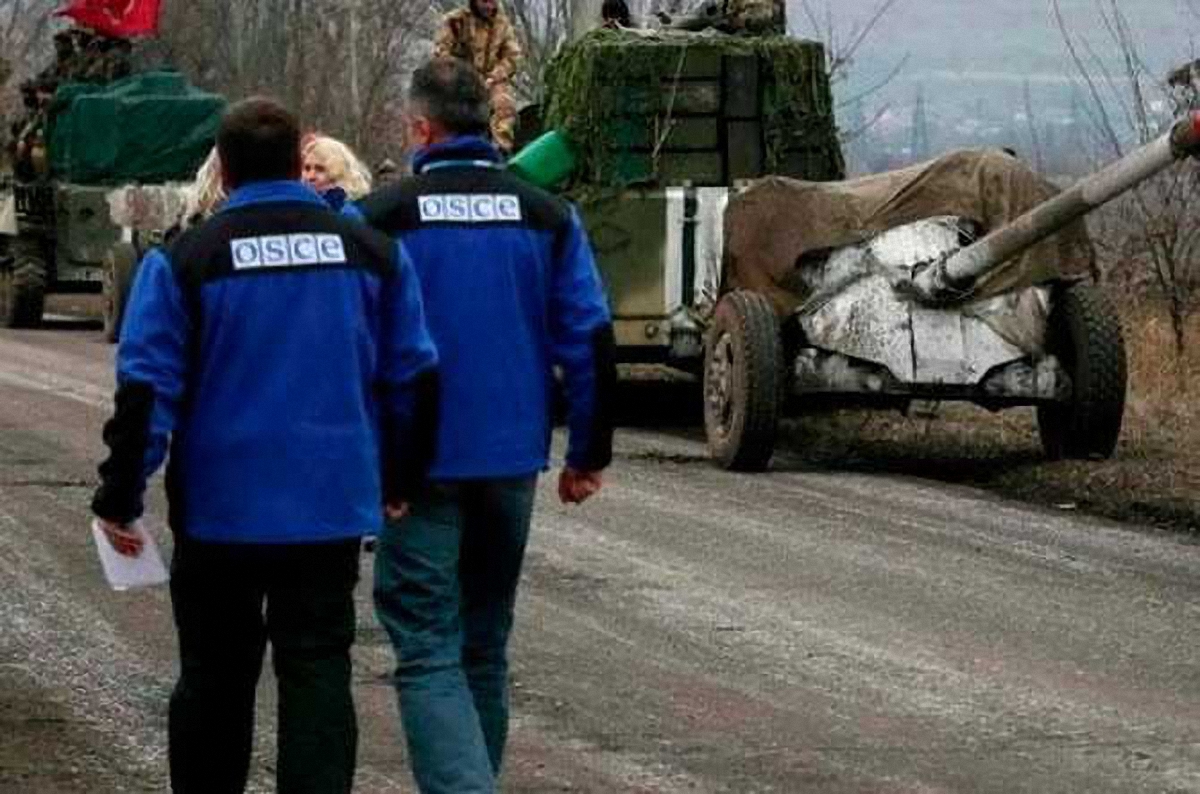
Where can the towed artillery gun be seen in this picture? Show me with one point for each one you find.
(921, 311)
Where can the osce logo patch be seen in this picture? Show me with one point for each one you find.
(470, 208)
(287, 250)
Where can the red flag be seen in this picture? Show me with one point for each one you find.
(120, 18)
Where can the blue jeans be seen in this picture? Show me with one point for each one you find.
(445, 585)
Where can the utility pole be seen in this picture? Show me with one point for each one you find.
(919, 146)
(1035, 143)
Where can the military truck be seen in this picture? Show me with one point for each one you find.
(664, 125)
(112, 181)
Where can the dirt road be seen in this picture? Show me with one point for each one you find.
(692, 630)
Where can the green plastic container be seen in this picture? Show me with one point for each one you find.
(546, 162)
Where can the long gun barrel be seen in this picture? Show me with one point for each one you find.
(952, 279)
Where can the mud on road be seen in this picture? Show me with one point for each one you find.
(691, 630)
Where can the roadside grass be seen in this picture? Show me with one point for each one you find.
(1153, 478)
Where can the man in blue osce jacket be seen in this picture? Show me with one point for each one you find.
(511, 292)
(277, 347)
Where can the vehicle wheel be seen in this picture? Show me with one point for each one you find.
(1085, 334)
(743, 382)
(119, 265)
(23, 290)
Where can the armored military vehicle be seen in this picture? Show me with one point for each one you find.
(111, 178)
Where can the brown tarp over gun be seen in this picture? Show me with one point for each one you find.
(777, 224)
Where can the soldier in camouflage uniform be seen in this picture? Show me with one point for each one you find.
(739, 17)
(29, 144)
(95, 68)
(483, 36)
(65, 58)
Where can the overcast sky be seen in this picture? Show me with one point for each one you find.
(960, 49)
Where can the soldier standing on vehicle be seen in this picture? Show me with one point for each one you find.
(483, 36)
(65, 63)
(29, 149)
(276, 348)
(513, 293)
(738, 17)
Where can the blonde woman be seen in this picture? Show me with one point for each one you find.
(332, 169)
(207, 192)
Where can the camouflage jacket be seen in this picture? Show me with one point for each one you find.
(491, 46)
(750, 17)
(757, 17)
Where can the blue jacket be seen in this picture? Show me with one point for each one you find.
(339, 201)
(278, 346)
(511, 293)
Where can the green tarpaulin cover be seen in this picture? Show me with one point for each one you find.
(151, 127)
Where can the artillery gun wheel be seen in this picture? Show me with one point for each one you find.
(119, 265)
(743, 382)
(23, 288)
(1085, 334)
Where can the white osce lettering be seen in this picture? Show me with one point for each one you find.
(287, 250)
(469, 208)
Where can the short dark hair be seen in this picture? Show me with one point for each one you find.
(259, 140)
(451, 92)
(618, 11)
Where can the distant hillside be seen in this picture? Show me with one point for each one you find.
(962, 48)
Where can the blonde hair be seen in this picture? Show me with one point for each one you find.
(206, 191)
(344, 168)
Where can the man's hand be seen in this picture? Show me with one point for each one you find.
(126, 541)
(576, 487)
(395, 511)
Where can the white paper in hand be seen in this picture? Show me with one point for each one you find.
(123, 573)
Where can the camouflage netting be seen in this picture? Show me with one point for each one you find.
(709, 108)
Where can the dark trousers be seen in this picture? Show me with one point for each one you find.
(229, 600)
(445, 585)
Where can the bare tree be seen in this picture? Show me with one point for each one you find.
(340, 64)
(1149, 238)
(542, 25)
(24, 42)
(842, 44)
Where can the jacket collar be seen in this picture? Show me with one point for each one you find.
(272, 192)
(464, 150)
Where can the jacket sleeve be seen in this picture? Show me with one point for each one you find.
(508, 55)
(152, 364)
(408, 385)
(584, 349)
(444, 42)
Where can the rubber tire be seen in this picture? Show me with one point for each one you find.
(1084, 332)
(745, 440)
(120, 263)
(24, 285)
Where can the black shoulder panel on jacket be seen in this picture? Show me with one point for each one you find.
(261, 238)
(444, 197)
